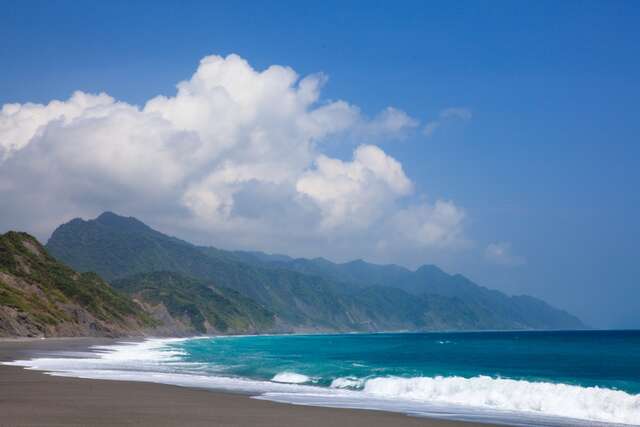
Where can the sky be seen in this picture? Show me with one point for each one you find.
(494, 139)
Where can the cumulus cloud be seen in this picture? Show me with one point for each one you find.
(446, 116)
(391, 122)
(235, 155)
(354, 193)
(439, 225)
(500, 253)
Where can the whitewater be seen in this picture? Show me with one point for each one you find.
(360, 379)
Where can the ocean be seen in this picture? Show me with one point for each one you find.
(555, 378)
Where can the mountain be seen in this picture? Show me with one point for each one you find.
(39, 296)
(526, 311)
(186, 306)
(116, 247)
(304, 295)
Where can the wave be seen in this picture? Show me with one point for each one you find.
(156, 350)
(588, 403)
(290, 378)
(153, 360)
(479, 398)
(348, 383)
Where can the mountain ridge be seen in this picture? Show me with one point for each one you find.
(413, 282)
(305, 295)
(40, 296)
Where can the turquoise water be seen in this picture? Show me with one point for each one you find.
(577, 378)
(609, 359)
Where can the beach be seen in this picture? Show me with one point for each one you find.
(33, 398)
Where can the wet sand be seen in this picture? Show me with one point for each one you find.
(35, 399)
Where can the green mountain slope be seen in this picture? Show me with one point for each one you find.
(305, 294)
(523, 310)
(41, 297)
(193, 306)
(116, 247)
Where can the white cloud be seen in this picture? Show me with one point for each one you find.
(437, 225)
(389, 122)
(357, 192)
(19, 123)
(447, 115)
(235, 156)
(500, 253)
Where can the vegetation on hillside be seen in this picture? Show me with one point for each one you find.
(305, 294)
(41, 296)
(203, 308)
(491, 306)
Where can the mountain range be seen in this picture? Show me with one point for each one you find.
(189, 289)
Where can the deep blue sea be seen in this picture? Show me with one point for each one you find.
(525, 378)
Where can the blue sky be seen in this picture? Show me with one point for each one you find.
(547, 163)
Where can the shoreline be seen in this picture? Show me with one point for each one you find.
(30, 397)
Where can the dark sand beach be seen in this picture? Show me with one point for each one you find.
(33, 398)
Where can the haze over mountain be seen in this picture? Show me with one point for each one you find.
(303, 295)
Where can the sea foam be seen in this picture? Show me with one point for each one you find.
(516, 402)
(588, 403)
(347, 382)
(290, 378)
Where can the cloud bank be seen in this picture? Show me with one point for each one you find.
(234, 158)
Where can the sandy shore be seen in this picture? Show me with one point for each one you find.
(33, 398)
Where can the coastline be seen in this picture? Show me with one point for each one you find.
(29, 397)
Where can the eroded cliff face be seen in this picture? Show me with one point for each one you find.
(42, 297)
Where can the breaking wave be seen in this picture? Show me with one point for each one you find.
(290, 378)
(588, 403)
(477, 398)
